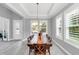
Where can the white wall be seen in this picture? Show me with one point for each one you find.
(65, 45)
(50, 27)
(27, 27)
(6, 13)
(53, 28)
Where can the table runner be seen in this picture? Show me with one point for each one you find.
(35, 38)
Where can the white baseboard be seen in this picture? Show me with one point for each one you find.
(62, 48)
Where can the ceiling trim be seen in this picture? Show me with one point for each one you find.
(14, 9)
(22, 6)
(50, 8)
(62, 11)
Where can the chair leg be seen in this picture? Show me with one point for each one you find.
(30, 50)
(49, 51)
(2, 39)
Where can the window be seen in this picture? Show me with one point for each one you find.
(72, 26)
(4, 28)
(43, 26)
(34, 26)
(17, 27)
(40, 25)
(59, 27)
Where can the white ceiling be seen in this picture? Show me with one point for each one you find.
(29, 10)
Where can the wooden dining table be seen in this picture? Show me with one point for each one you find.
(39, 44)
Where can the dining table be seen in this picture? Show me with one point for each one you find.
(39, 46)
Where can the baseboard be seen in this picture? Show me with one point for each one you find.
(68, 53)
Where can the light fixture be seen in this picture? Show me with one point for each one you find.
(38, 17)
(37, 10)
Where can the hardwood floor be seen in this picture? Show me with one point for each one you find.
(20, 48)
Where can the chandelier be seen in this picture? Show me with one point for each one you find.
(37, 9)
(38, 17)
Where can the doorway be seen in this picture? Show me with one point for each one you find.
(17, 29)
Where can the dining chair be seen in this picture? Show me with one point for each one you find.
(31, 48)
(48, 48)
